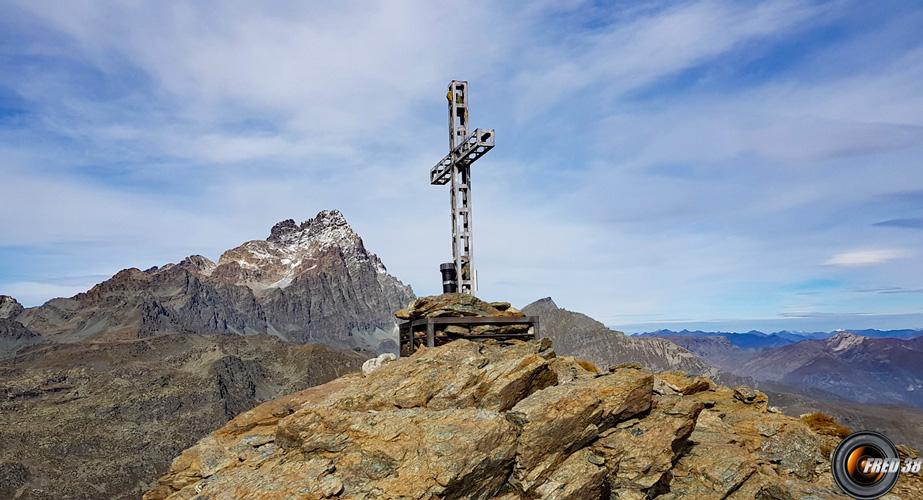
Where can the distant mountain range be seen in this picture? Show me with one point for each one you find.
(758, 340)
(854, 367)
(873, 369)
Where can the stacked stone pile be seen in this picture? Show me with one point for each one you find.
(460, 305)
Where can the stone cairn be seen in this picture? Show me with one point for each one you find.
(461, 305)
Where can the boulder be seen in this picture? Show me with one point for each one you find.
(681, 383)
(373, 364)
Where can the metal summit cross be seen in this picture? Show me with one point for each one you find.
(464, 149)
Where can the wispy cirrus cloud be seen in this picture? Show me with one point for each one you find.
(905, 223)
(866, 257)
(898, 290)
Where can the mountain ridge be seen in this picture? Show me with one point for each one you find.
(308, 282)
(755, 339)
(888, 369)
(576, 334)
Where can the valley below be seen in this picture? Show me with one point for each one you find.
(103, 419)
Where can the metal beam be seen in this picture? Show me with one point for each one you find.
(476, 145)
(455, 169)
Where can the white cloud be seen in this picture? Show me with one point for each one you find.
(338, 75)
(31, 293)
(225, 117)
(648, 47)
(866, 257)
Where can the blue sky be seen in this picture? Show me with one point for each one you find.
(716, 164)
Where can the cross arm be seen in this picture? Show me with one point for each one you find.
(473, 147)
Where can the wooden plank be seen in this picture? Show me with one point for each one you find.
(474, 320)
(493, 336)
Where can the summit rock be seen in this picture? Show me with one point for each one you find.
(482, 420)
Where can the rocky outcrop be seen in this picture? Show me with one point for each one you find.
(9, 307)
(13, 334)
(481, 420)
(104, 419)
(313, 282)
(579, 335)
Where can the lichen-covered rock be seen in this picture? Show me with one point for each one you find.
(569, 368)
(561, 419)
(484, 420)
(749, 395)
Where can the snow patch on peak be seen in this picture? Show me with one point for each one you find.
(326, 218)
(292, 249)
(328, 228)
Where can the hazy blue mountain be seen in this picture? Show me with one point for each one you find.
(759, 340)
(749, 340)
(894, 334)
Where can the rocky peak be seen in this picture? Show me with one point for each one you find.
(9, 307)
(329, 228)
(310, 282)
(844, 340)
(326, 219)
(292, 250)
(198, 264)
(13, 334)
(543, 304)
(283, 231)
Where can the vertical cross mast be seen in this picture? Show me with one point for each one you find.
(461, 189)
(455, 168)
